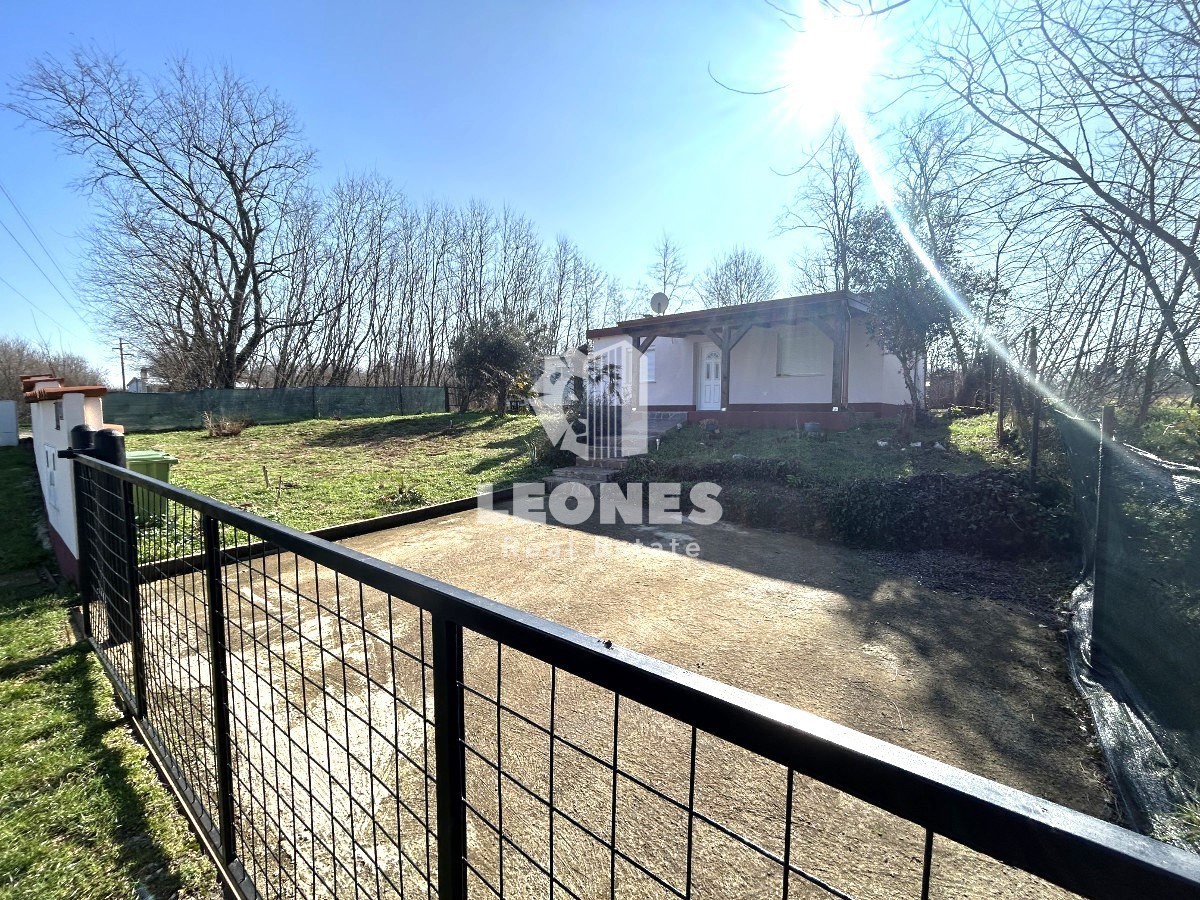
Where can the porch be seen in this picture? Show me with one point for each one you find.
(764, 364)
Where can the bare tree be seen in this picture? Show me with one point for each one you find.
(832, 193)
(738, 276)
(668, 271)
(20, 357)
(1094, 106)
(197, 171)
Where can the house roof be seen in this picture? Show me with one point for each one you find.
(781, 311)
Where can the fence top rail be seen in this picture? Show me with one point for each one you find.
(1134, 453)
(1071, 849)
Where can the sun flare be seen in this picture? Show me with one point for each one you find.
(828, 64)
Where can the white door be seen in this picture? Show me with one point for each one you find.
(710, 378)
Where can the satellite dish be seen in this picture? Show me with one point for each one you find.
(659, 302)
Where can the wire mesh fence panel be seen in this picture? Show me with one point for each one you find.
(177, 653)
(330, 727)
(338, 727)
(1148, 621)
(578, 792)
(186, 409)
(110, 613)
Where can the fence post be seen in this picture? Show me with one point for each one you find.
(218, 652)
(1036, 417)
(83, 577)
(449, 733)
(1100, 538)
(446, 390)
(989, 394)
(1000, 403)
(109, 445)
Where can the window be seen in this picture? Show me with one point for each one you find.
(648, 367)
(803, 350)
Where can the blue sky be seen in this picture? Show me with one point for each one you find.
(597, 120)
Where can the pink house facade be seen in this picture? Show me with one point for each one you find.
(774, 363)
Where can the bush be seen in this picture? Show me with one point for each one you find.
(992, 513)
(219, 426)
(544, 453)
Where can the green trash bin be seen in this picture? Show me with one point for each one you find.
(147, 505)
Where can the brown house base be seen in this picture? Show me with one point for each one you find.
(789, 415)
(67, 563)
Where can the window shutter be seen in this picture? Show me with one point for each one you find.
(803, 350)
(648, 365)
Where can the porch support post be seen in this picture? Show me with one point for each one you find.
(841, 357)
(726, 338)
(641, 345)
(726, 352)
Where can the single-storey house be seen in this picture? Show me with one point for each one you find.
(145, 383)
(774, 363)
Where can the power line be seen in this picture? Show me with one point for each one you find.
(37, 237)
(36, 311)
(8, 284)
(49, 281)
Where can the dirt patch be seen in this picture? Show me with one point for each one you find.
(947, 656)
(332, 704)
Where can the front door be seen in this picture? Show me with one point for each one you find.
(710, 378)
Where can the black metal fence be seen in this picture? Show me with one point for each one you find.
(337, 726)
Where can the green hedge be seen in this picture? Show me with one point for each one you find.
(992, 513)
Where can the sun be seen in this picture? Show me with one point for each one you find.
(827, 66)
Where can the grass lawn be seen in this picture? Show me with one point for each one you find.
(323, 472)
(1171, 430)
(82, 814)
(970, 446)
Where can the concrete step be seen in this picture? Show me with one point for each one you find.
(616, 462)
(553, 481)
(586, 473)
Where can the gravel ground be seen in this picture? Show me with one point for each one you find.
(944, 655)
(947, 655)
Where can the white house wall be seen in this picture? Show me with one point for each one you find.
(874, 377)
(50, 436)
(673, 363)
(755, 374)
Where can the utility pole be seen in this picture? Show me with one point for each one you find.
(120, 348)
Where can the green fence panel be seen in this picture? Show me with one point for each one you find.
(1146, 614)
(186, 409)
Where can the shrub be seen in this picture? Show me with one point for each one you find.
(992, 513)
(219, 426)
(542, 452)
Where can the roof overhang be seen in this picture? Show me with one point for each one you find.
(57, 392)
(766, 314)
